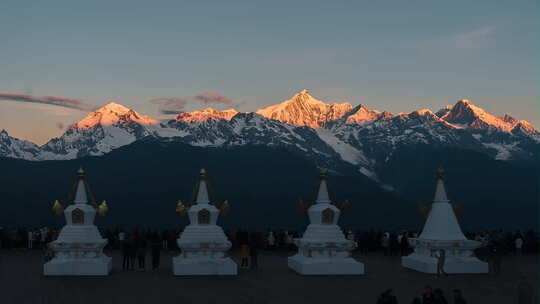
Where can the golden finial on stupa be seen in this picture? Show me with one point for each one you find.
(302, 208)
(345, 206)
(424, 209)
(103, 208)
(80, 172)
(57, 208)
(224, 208)
(458, 209)
(180, 208)
(440, 173)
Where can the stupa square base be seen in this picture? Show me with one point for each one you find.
(203, 267)
(427, 264)
(314, 266)
(78, 267)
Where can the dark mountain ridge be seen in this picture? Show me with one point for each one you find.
(142, 183)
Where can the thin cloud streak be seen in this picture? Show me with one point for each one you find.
(71, 103)
(170, 106)
(171, 112)
(176, 105)
(476, 38)
(209, 98)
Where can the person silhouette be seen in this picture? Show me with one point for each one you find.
(441, 258)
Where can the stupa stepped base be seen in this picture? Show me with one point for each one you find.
(325, 266)
(203, 267)
(80, 234)
(203, 234)
(78, 267)
(458, 265)
(326, 233)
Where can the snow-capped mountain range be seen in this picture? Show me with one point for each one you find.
(326, 133)
(304, 110)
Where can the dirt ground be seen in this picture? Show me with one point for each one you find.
(22, 282)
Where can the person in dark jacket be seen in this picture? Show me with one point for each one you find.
(156, 247)
(125, 255)
(254, 254)
(441, 259)
(404, 244)
(132, 252)
(416, 300)
(427, 296)
(439, 297)
(387, 298)
(458, 297)
(525, 291)
(496, 256)
(141, 253)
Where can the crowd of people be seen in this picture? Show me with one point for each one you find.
(437, 296)
(429, 296)
(391, 243)
(29, 238)
(137, 244)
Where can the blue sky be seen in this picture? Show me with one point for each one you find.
(390, 55)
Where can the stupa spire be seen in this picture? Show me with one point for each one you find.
(81, 196)
(202, 192)
(441, 223)
(322, 194)
(440, 190)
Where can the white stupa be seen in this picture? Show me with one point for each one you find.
(442, 231)
(323, 249)
(78, 251)
(203, 243)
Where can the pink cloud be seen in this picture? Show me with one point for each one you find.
(50, 100)
(176, 105)
(170, 106)
(208, 98)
